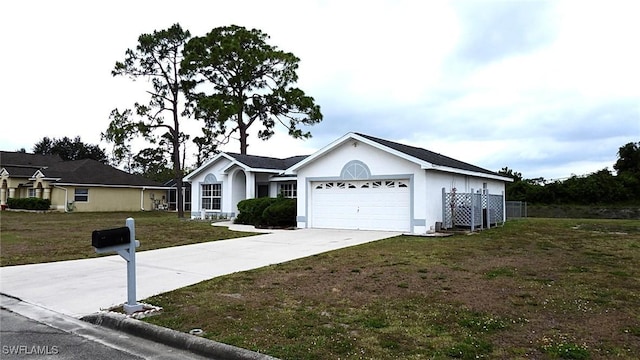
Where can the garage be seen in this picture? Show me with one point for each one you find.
(363, 205)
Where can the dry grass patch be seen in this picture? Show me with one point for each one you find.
(27, 238)
(536, 288)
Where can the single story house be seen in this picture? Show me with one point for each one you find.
(228, 178)
(78, 185)
(356, 182)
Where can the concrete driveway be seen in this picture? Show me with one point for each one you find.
(82, 287)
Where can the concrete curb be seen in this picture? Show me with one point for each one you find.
(176, 339)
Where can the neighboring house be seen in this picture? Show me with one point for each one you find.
(172, 196)
(228, 178)
(356, 182)
(79, 185)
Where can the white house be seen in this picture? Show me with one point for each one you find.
(220, 183)
(356, 182)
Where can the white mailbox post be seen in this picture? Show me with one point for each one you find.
(123, 241)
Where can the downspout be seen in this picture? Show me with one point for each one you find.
(142, 199)
(66, 197)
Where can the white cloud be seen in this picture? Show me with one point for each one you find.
(548, 88)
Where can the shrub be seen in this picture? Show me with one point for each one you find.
(276, 212)
(250, 210)
(29, 203)
(281, 213)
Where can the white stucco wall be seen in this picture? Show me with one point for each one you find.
(214, 169)
(381, 164)
(426, 185)
(436, 180)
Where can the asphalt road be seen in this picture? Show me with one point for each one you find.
(24, 338)
(29, 331)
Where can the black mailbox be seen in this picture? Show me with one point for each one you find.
(110, 237)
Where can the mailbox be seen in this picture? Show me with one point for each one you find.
(110, 237)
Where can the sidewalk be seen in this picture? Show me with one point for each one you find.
(82, 287)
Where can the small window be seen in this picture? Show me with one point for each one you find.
(402, 184)
(31, 193)
(390, 184)
(340, 185)
(351, 186)
(377, 184)
(328, 185)
(319, 186)
(365, 185)
(81, 195)
(289, 190)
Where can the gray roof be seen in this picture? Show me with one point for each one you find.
(89, 171)
(20, 164)
(86, 171)
(263, 162)
(428, 156)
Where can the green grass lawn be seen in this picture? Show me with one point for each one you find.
(27, 238)
(535, 288)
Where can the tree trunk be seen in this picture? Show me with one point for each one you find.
(242, 127)
(177, 169)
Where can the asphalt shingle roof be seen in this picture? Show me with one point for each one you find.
(90, 171)
(85, 171)
(25, 165)
(263, 162)
(428, 156)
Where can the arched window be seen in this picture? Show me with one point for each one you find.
(355, 170)
(210, 179)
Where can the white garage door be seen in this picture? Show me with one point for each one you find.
(364, 205)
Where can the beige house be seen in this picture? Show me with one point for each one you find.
(79, 185)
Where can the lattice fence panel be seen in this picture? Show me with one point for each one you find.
(495, 209)
(468, 209)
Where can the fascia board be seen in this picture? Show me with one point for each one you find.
(283, 178)
(204, 166)
(271, 171)
(233, 163)
(432, 167)
(117, 186)
(295, 167)
(353, 136)
(250, 169)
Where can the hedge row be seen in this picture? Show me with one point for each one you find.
(267, 212)
(29, 203)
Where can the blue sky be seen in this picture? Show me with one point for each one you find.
(547, 88)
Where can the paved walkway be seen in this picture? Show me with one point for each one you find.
(82, 287)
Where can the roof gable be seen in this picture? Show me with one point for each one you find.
(264, 162)
(250, 163)
(425, 158)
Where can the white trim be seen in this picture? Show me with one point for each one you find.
(117, 186)
(466, 172)
(246, 168)
(206, 165)
(283, 178)
(345, 138)
(423, 164)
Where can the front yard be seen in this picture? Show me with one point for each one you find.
(27, 238)
(534, 289)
